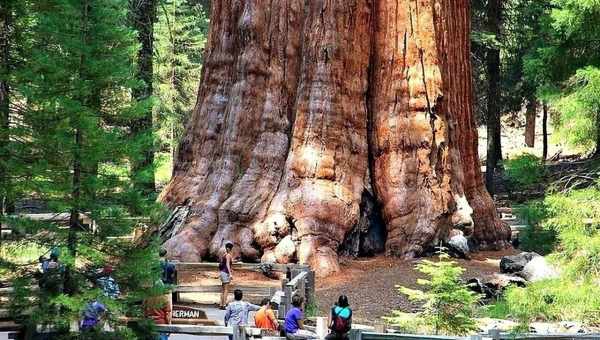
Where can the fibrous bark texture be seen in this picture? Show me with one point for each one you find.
(317, 118)
(530, 116)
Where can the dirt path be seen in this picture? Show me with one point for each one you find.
(370, 283)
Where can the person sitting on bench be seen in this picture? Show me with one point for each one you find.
(294, 321)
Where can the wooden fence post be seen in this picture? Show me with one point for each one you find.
(284, 300)
(239, 333)
(494, 334)
(287, 292)
(302, 289)
(356, 334)
(310, 287)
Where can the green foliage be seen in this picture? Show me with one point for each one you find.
(536, 237)
(551, 300)
(180, 35)
(449, 304)
(74, 85)
(524, 169)
(574, 218)
(564, 64)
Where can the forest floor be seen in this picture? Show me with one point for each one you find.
(370, 283)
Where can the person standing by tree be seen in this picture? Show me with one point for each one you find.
(225, 273)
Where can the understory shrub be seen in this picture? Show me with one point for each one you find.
(574, 218)
(524, 169)
(448, 304)
(537, 237)
(553, 300)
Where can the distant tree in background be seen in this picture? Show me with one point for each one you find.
(565, 65)
(494, 142)
(180, 35)
(142, 14)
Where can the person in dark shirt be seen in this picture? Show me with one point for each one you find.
(168, 269)
(225, 273)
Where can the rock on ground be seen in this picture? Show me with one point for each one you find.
(538, 269)
(516, 263)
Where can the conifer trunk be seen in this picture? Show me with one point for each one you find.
(5, 33)
(545, 131)
(530, 116)
(494, 148)
(304, 105)
(143, 14)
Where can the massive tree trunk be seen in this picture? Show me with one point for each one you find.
(530, 115)
(494, 148)
(306, 108)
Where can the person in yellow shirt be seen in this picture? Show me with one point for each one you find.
(265, 317)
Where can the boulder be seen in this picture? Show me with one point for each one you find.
(493, 287)
(516, 263)
(458, 244)
(538, 269)
(285, 250)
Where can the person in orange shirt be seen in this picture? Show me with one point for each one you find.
(265, 317)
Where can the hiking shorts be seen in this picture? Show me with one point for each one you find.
(225, 277)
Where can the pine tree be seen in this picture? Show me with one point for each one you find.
(180, 35)
(76, 80)
(448, 303)
(142, 14)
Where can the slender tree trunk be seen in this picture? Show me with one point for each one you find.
(5, 36)
(494, 148)
(143, 14)
(530, 116)
(597, 152)
(545, 131)
(303, 105)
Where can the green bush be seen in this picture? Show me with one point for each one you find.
(553, 300)
(536, 237)
(524, 170)
(573, 218)
(449, 304)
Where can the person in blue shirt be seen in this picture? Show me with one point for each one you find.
(294, 321)
(107, 283)
(340, 320)
(92, 316)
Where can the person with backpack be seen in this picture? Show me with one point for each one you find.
(340, 320)
(168, 268)
(52, 278)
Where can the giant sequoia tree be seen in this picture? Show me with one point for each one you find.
(304, 106)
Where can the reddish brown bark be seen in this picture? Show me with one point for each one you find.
(489, 231)
(300, 101)
(530, 115)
